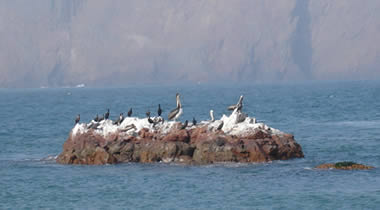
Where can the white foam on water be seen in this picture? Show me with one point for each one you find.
(360, 123)
(308, 168)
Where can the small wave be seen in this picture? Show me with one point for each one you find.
(29, 159)
(360, 124)
(228, 165)
(49, 158)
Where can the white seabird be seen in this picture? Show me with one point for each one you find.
(212, 115)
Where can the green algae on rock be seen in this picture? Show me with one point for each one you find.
(345, 165)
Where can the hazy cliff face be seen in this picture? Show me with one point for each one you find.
(346, 41)
(67, 42)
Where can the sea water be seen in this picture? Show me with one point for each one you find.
(332, 121)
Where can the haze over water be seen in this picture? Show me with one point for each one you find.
(332, 121)
(56, 43)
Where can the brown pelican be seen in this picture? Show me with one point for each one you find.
(185, 125)
(159, 110)
(77, 119)
(239, 105)
(129, 112)
(194, 121)
(175, 113)
(107, 115)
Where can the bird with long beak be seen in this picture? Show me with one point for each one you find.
(176, 113)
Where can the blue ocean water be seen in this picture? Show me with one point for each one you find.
(333, 121)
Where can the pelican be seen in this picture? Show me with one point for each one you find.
(77, 119)
(212, 115)
(239, 105)
(175, 113)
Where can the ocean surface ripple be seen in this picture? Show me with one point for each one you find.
(333, 121)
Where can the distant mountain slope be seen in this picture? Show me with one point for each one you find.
(65, 42)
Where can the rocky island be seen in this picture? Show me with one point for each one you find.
(137, 140)
(234, 138)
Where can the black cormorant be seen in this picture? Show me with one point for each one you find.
(185, 125)
(107, 115)
(159, 110)
(194, 121)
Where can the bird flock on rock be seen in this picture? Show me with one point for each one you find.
(173, 115)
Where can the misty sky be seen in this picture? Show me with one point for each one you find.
(56, 43)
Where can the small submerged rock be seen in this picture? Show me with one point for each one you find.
(346, 165)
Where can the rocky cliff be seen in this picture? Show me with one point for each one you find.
(67, 42)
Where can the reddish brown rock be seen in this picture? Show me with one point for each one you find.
(144, 133)
(177, 135)
(192, 146)
(259, 134)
